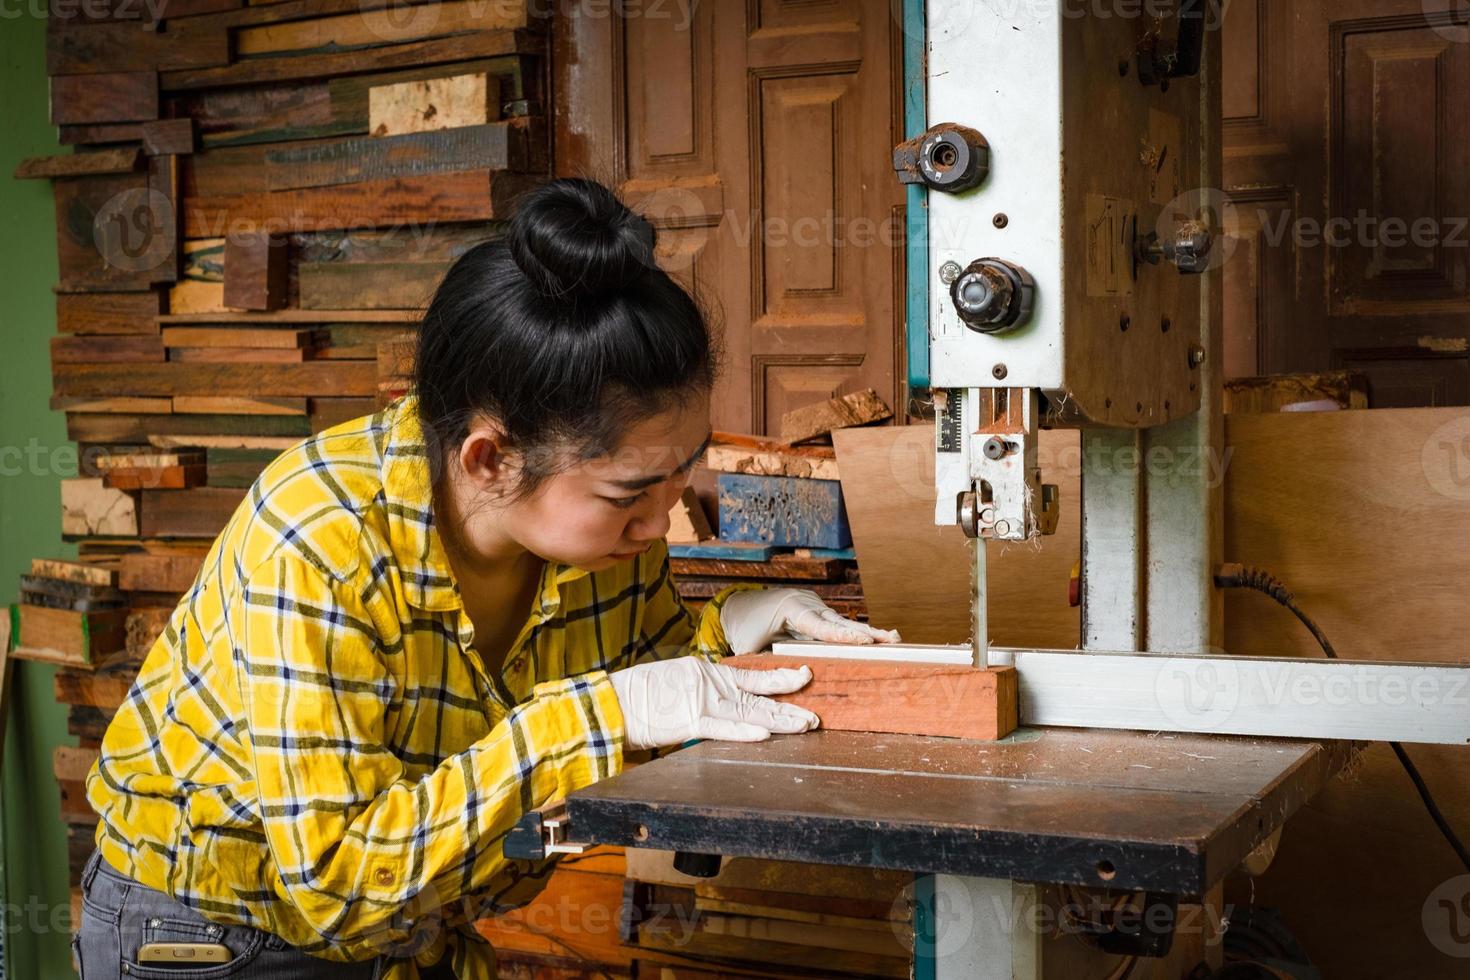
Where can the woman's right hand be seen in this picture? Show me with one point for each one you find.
(669, 702)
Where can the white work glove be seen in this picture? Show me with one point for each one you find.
(669, 702)
(755, 617)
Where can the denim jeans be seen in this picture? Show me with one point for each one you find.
(119, 915)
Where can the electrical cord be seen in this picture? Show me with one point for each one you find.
(1236, 576)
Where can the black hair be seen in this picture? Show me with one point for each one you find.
(565, 331)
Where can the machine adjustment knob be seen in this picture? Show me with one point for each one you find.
(1188, 247)
(947, 157)
(993, 295)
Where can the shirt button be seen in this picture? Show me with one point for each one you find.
(383, 876)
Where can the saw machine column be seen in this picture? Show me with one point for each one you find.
(1061, 158)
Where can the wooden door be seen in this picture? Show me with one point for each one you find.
(758, 136)
(1348, 164)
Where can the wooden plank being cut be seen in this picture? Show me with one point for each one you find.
(109, 313)
(903, 697)
(810, 421)
(429, 104)
(780, 567)
(116, 161)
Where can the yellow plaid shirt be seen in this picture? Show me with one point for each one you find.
(314, 748)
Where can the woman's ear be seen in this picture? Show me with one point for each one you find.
(484, 457)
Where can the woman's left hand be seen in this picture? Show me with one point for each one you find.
(755, 617)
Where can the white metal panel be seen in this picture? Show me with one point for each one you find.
(996, 67)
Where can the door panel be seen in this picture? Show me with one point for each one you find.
(757, 136)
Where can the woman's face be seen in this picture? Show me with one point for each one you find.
(612, 507)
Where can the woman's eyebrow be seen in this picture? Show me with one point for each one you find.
(647, 481)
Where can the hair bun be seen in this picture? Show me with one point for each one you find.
(573, 237)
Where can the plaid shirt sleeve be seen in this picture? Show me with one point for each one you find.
(670, 627)
(353, 839)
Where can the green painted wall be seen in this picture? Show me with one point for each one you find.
(34, 456)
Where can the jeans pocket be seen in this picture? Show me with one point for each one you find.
(152, 917)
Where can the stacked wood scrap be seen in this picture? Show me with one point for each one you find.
(765, 918)
(259, 197)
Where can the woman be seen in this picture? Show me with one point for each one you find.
(423, 623)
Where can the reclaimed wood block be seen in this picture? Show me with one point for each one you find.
(140, 349)
(344, 378)
(141, 571)
(900, 697)
(157, 478)
(125, 429)
(115, 161)
(516, 76)
(260, 338)
(163, 190)
(779, 567)
(199, 513)
(328, 163)
(167, 137)
(1279, 392)
(108, 313)
(112, 406)
(98, 50)
(810, 421)
(256, 271)
(99, 133)
(105, 689)
(130, 96)
(722, 551)
(328, 412)
(134, 460)
(144, 627)
(71, 764)
(201, 286)
(237, 405)
(237, 467)
(235, 355)
(429, 104)
(85, 573)
(90, 508)
(782, 511)
(64, 635)
(111, 233)
(371, 28)
(687, 523)
(433, 51)
(733, 453)
(77, 596)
